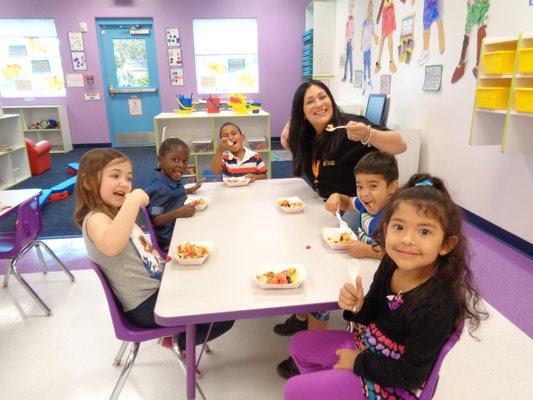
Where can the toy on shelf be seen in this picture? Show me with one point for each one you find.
(45, 124)
(185, 103)
(237, 102)
(213, 104)
(255, 106)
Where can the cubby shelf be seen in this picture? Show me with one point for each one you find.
(60, 137)
(14, 164)
(204, 127)
(510, 129)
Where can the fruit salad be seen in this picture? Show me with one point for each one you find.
(198, 202)
(344, 237)
(188, 251)
(290, 204)
(282, 278)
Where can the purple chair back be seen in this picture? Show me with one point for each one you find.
(125, 330)
(29, 225)
(431, 384)
(153, 237)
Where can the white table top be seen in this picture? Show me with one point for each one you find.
(14, 198)
(249, 231)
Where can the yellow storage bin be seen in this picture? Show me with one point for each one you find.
(523, 100)
(495, 98)
(525, 60)
(499, 62)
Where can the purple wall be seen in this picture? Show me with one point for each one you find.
(280, 25)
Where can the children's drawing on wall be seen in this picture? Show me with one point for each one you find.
(367, 35)
(348, 41)
(432, 15)
(405, 48)
(476, 14)
(388, 26)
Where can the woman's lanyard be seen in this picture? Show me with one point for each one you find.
(316, 173)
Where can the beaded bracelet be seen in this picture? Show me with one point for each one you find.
(367, 143)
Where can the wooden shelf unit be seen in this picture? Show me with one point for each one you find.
(14, 164)
(508, 128)
(60, 137)
(204, 126)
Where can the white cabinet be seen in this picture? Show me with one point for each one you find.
(14, 164)
(200, 130)
(320, 16)
(503, 111)
(32, 115)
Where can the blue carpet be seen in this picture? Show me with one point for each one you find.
(57, 216)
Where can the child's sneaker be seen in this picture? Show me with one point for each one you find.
(290, 326)
(166, 342)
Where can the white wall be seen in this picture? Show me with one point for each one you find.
(497, 187)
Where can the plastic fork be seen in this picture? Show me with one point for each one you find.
(331, 128)
(342, 224)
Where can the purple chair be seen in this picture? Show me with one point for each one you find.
(127, 332)
(14, 245)
(153, 237)
(431, 384)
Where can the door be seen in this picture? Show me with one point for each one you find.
(131, 84)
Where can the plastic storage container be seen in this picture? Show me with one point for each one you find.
(495, 98)
(202, 145)
(525, 60)
(499, 62)
(257, 143)
(210, 177)
(523, 100)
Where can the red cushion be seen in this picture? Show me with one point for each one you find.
(39, 156)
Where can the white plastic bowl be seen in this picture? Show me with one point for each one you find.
(198, 207)
(301, 273)
(236, 181)
(193, 261)
(293, 199)
(329, 232)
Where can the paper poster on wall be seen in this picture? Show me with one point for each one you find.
(23, 84)
(348, 44)
(40, 66)
(89, 81)
(135, 106)
(405, 47)
(173, 37)
(17, 51)
(433, 78)
(475, 17)
(387, 16)
(367, 37)
(78, 61)
(235, 64)
(432, 15)
(208, 81)
(74, 80)
(92, 96)
(384, 84)
(176, 77)
(174, 57)
(323, 63)
(75, 40)
(358, 78)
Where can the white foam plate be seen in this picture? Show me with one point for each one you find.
(198, 207)
(239, 181)
(330, 232)
(193, 261)
(293, 199)
(301, 273)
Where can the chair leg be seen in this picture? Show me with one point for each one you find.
(125, 371)
(53, 255)
(8, 271)
(41, 258)
(182, 365)
(29, 289)
(118, 357)
(205, 346)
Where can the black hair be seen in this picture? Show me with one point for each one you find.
(169, 143)
(379, 163)
(228, 124)
(303, 142)
(453, 275)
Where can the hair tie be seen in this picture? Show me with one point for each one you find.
(425, 182)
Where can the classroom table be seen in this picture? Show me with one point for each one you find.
(14, 198)
(249, 231)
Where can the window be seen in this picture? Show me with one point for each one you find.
(226, 55)
(30, 65)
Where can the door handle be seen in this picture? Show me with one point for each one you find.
(113, 91)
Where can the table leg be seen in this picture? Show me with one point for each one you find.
(191, 361)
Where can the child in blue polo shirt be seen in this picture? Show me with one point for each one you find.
(232, 159)
(167, 193)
